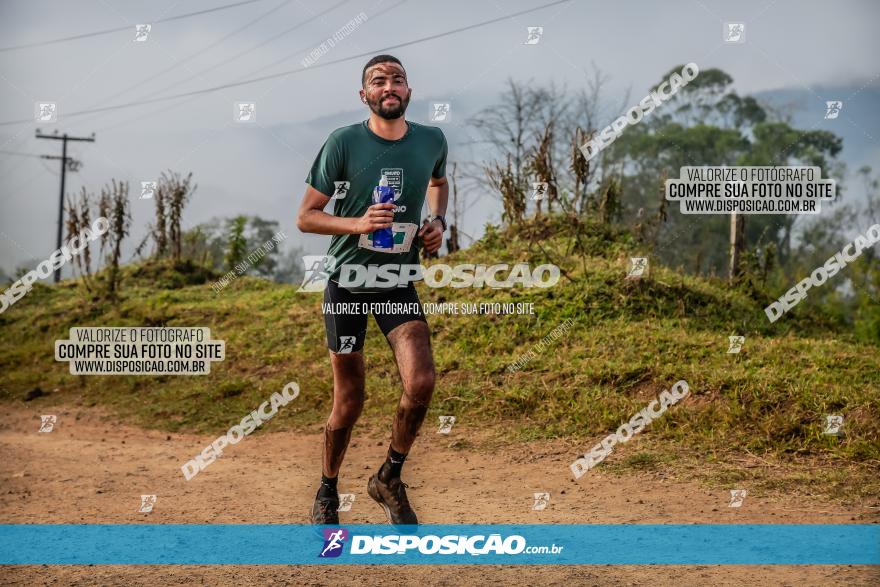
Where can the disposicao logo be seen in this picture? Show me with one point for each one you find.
(334, 540)
(492, 544)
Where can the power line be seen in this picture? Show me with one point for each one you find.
(65, 138)
(229, 60)
(298, 51)
(265, 67)
(20, 154)
(49, 169)
(293, 71)
(124, 28)
(208, 47)
(144, 116)
(199, 74)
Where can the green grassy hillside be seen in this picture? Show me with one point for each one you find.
(628, 341)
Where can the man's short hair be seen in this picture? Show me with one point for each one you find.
(378, 59)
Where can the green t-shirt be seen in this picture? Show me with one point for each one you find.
(356, 155)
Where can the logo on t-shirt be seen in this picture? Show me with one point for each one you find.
(395, 180)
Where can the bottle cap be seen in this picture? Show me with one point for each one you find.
(384, 181)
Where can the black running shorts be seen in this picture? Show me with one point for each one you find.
(345, 314)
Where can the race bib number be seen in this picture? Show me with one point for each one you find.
(404, 232)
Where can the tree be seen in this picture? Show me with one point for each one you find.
(854, 293)
(172, 193)
(707, 123)
(289, 268)
(78, 218)
(510, 125)
(114, 205)
(236, 246)
(209, 244)
(261, 238)
(519, 133)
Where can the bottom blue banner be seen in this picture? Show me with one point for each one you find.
(529, 544)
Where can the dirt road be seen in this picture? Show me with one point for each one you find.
(90, 469)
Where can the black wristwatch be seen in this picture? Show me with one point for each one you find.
(442, 220)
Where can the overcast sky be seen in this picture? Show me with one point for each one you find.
(812, 46)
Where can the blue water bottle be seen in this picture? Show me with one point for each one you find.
(383, 238)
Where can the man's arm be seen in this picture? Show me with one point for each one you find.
(437, 197)
(312, 218)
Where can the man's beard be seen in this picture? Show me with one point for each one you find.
(390, 110)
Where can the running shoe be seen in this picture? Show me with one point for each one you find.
(392, 497)
(325, 510)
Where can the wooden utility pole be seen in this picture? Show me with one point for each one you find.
(737, 242)
(64, 163)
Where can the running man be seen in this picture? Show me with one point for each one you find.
(412, 157)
